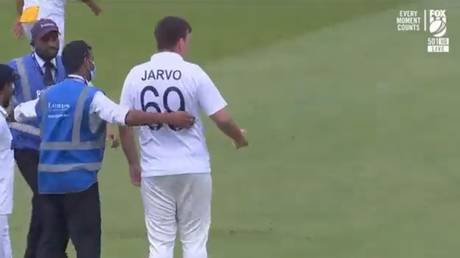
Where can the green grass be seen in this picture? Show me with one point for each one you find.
(353, 127)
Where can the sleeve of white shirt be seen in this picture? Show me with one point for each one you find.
(126, 98)
(25, 111)
(108, 110)
(209, 97)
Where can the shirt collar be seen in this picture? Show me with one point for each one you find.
(3, 112)
(78, 77)
(41, 62)
(167, 54)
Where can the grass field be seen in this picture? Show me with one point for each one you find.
(353, 127)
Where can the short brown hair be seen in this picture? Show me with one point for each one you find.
(170, 30)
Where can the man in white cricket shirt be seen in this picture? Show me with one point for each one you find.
(176, 181)
(7, 78)
(30, 11)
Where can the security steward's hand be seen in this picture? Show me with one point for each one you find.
(112, 137)
(180, 119)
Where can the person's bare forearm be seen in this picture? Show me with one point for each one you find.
(128, 145)
(19, 7)
(226, 124)
(95, 8)
(17, 26)
(137, 118)
(232, 130)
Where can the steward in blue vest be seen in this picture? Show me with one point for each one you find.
(72, 118)
(32, 81)
(73, 142)
(37, 70)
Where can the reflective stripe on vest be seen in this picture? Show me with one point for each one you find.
(90, 145)
(25, 128)
(24, 79)
(76, 143)
(69, 167)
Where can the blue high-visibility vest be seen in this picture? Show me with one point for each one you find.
(27, 135)
(73, 140)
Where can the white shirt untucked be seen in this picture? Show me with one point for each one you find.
(167, 83)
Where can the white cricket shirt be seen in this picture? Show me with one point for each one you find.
(6, 166)
(167, 83)
(48, 8)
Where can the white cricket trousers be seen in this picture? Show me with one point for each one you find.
(177, 203)
(5, 243)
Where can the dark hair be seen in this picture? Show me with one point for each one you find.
(74, 54)
(7, 75)
(169, 30)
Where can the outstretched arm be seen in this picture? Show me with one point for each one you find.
(180, 119)
(95, 8)
(115, 114)
(17, 26)
(19, 6)
(25, 111)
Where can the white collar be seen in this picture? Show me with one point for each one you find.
(3, 112)
(167, 54)
(78, 77)
(41, 62)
